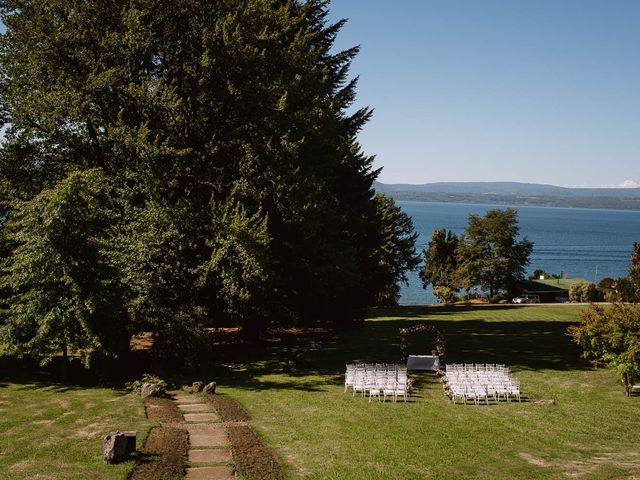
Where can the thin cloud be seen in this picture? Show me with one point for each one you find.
(625, 184)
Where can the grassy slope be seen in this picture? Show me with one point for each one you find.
(590, 433)
(564, 283)
(55, 432)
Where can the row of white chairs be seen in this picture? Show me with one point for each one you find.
(377, 380)
(475, 367)
(480, 383)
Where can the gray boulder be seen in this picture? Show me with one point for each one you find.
(151, 390)
(114, 449)
(210, 388)
(197, 387)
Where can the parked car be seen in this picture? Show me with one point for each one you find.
(527, 298)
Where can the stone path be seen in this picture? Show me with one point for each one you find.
(209, 452)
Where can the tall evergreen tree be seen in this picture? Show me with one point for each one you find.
(179, 103)
(440, 264)
(397, 252)
(634, 272)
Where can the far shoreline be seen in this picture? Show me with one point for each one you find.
(513, 205)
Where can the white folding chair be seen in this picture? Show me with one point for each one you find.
(359, 384)
(371, 385)
(349, 376)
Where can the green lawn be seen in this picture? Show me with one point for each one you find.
(55, 431)
(563, 283)
(591, 433)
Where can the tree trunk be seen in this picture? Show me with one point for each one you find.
(65, 362)
(627, 385)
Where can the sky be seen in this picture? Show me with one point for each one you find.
(540, 91)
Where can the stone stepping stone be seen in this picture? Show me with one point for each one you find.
(210, 473)
(205, 428)
(209, 455)
(200, 440)
(207, 435)
(189, 399)
(194, 407)
(201, 417)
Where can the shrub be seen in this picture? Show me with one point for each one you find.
(606, 283)
(444, 294)
(582, 292)
(136, 386)
(498, 297)
(611, 336)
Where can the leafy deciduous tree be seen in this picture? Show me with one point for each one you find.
(240, 267)
(611, 336)
(489, 254)
(64, 297)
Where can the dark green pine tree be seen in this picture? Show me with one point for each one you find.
(634, 273)
(191, 109)
(397, 252)
(440, 264)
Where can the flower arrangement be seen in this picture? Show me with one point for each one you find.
(410, 383)
(441, 344)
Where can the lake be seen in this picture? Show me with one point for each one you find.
(580, 243)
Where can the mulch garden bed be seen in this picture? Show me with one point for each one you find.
(165, 451)
(252, 458)
(228, 408)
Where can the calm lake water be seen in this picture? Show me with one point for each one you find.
(583, 243)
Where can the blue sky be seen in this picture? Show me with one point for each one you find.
(544, 91)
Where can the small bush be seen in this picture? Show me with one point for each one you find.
(444, 294)
(136, 386)
(607, 283)
(583, 292)
(498, 297)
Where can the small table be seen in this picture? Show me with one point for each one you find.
(423, 362)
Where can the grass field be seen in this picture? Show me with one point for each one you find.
(591, 433)
(564, 283)
(50, 431)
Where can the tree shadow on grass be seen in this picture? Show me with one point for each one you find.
(521, 345)
(30, 376)
(417, 311)
(250, 382)
(527, 345)
(53, 387)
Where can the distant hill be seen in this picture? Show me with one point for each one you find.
(514, 193)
